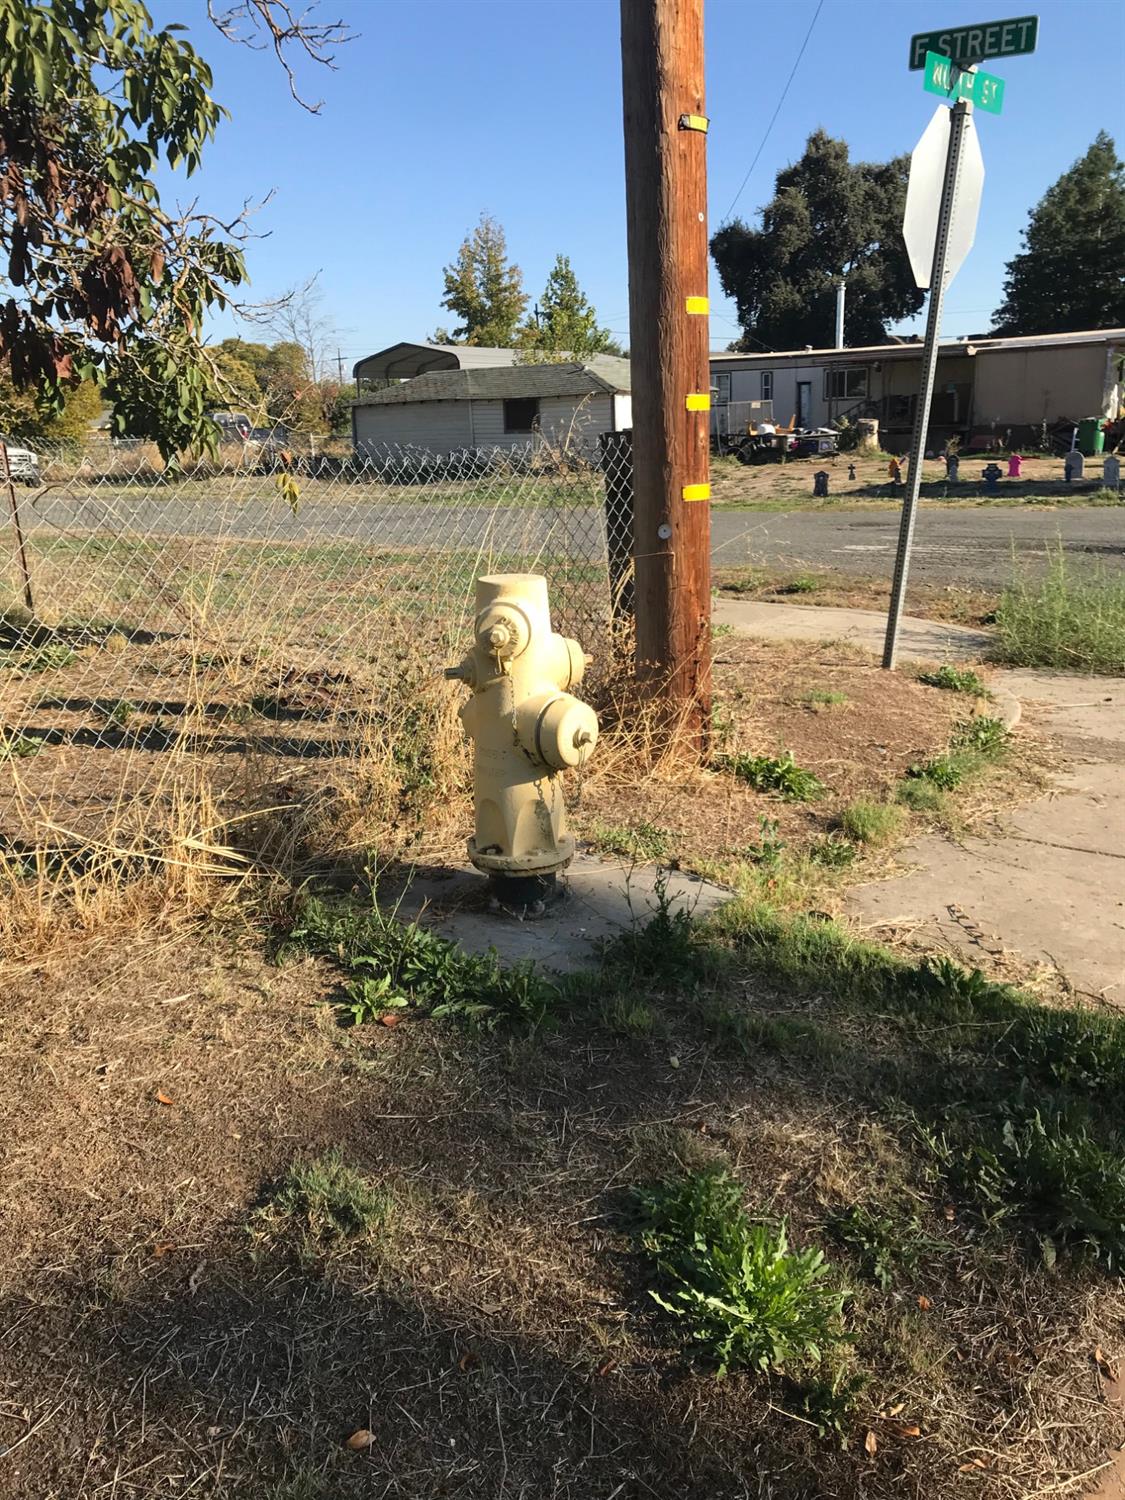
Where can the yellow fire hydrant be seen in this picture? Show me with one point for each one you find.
(526, 728)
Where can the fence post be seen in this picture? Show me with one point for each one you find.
(28, 597)
(616, 450)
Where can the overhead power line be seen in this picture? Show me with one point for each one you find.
(777, 111)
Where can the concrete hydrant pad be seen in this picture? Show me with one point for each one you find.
(601, 898)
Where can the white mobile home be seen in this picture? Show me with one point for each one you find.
(1009, 387)
(498, 407)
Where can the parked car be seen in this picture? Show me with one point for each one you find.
(23, 464)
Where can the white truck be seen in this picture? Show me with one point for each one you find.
(23, 464)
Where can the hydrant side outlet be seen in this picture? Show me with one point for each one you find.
(525, 727)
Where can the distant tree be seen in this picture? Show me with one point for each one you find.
(23, 415)
(484, 290)
(82, 408)
(828, 215)
(566, 325)
(1071, 271)
(237, 373)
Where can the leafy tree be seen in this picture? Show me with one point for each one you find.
(1071, 271)
(101, 282)
(237, 374)
(483, 290)
(23, 416)
(566, 326)
(828, 215)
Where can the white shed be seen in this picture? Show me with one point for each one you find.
(501, 407)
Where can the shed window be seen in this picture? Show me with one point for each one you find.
(721, 390)
(767, 385)
(849, 383)
(522, 414)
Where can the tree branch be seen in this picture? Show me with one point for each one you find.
(245, 21)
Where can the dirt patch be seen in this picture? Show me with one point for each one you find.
(832, 588)
(856, 727)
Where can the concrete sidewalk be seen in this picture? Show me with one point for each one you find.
(1048, 882)
(919, 640)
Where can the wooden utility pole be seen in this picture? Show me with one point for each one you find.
(666, 206)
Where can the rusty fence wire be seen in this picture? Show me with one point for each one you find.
(262, 604)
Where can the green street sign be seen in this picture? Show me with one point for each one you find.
(974, 44)
(952, 82)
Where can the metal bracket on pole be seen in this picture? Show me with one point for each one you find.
(958, 117)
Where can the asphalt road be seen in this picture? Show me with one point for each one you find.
(973, 547)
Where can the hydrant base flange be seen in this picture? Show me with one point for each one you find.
(534, 863)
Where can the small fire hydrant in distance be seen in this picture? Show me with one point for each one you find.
(526, 728)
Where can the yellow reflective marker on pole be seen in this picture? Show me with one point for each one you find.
(698, 305)
(697, 492)
(698, 401)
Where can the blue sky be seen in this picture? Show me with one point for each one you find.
(444, 108)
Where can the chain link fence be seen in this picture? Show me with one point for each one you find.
(269, 605)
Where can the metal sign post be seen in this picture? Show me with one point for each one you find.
(959, 122)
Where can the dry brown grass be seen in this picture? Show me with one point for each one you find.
(494, 1335)
(161, 1076)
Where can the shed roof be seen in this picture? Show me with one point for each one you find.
(402, 361)
(601, 373)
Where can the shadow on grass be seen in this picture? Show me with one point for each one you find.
(494, 1335)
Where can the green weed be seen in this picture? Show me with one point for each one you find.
(982, 736)
(49, 658)
(1070, 620)
(395, 965)
(637, 841)
(750, 1034)
(668, 950)
(1077, 1050)
(833, 852)
(773, 773)
(325, 1201)
(884, 1246)
(870, 822)
(823, 698)
(1048, 1170)
(801, 583)
(626, 1015)
(745, 1299)
(118, 713)
(808, 956)
(304, 1484)
(831, 1405)
(944, 772)
(955, 680)
(768, 851)
(19, 746)
(920, 795)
